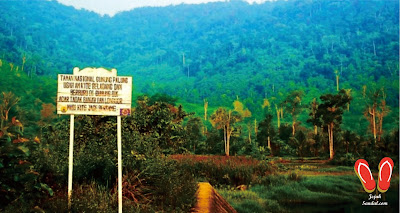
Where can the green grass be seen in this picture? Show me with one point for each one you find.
(282, 193)
(310, 190)
(249, 201)
(337, 169)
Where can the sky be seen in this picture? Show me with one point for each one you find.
(111, 7)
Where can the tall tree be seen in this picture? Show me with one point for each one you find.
(279, 104)
(193, 132)
(337, 79)
(7, 102)
(293, 106)
(330, 113)
(223, 119)
(376, 107)
(313, 116)
(267, 131)
(205, 109)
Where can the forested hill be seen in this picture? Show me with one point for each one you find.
(219, 51)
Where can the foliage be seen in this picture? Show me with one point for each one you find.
(162, 121)
(89, 197)
(266, 131)
(171, 188)
(249, 201)
(19, 180)
(281, 193)
(194, 136)
(223, 170)
(223, 119)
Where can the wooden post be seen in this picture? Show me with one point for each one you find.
(71, 159)
(119, 164)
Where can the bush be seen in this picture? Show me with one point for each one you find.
(249, 201)
(273, 180)
(251, 206)
(295, 177)
(222, 170)
(347, 159)
(170, 187)
(90, 198)
(19, 181)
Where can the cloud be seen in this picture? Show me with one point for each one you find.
(111, 7)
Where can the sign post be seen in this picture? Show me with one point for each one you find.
(94, 91)
(71, 159)
(119, 145)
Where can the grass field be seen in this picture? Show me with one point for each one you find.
(310, 186)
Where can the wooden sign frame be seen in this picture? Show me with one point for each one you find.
(94, 91)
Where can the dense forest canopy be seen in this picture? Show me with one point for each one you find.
(217, 51)
(187, 50)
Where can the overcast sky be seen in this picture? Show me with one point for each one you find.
(111, 7)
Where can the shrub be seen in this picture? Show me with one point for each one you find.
(222, 170)
(294, 176)
(251, 206)
(19, 180)
(170, 187)
(90, 198)
(347, 159)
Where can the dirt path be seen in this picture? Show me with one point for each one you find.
(209, 201)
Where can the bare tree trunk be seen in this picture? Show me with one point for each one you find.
(372, 113)
(228, 134)
(255, 126)
(337, 82)
(330, 133)
(293, 127)
(228, 138)
(373, 43)
(269, 142)
(205, 109)
(225, 138)
(278, 116)
(380, 130)
(332, 151)
(315, 129)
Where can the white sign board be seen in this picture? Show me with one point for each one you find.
(92, 91)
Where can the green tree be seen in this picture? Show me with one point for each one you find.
(330, 113)
(8, 100)
(266, 131)
(161, 120)
(223, 119)
(293, 106)
(314, 120)
(194, 136)
(375, 111)
(19, 178)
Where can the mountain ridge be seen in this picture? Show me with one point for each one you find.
(208, 48)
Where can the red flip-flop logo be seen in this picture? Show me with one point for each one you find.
(363, 172)
(385, 174)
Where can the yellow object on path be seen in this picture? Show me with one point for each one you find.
(209, 201)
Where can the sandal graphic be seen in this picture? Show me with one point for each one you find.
(385, 174)
(363, 172)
